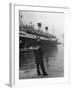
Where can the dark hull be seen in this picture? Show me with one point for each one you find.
(27, 42)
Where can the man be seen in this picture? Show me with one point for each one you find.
(39, 59)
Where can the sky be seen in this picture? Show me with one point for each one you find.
(54, 21)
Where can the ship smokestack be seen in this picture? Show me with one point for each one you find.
(46, 29)
(39, 25)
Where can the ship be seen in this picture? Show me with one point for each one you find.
(28, 37)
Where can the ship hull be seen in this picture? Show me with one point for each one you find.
(27, 42)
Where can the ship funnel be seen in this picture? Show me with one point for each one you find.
(39, 25)
(46, 29)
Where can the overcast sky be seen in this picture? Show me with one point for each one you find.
(54, 21)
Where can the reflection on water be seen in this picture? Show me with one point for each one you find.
(53, 60)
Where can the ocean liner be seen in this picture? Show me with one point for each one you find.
(28, 36)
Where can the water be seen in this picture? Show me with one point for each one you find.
(53, 61)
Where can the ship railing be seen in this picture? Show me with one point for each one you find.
(27, 35)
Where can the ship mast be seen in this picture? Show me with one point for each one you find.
(20, 19)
